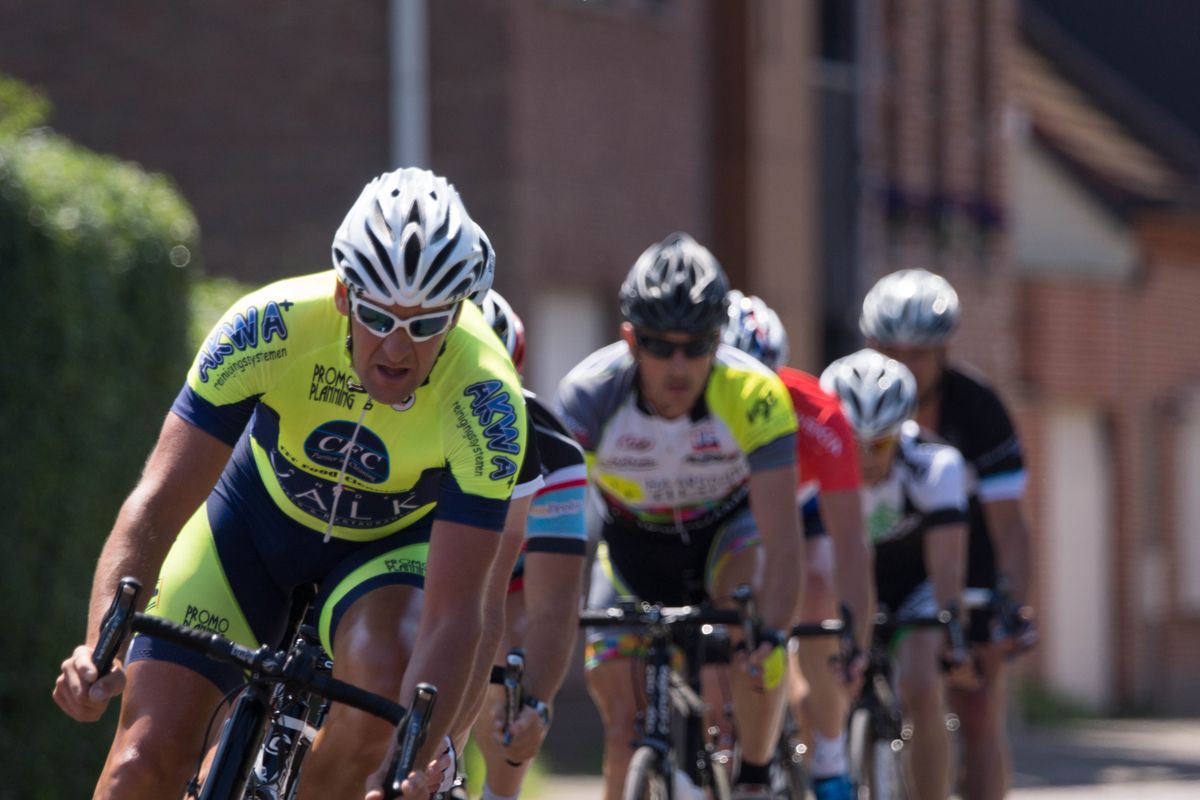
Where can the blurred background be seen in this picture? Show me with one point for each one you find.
(1044, 155)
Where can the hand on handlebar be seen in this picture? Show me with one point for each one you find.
(420, 785)
(1020, 633)
(525, 733)
(961, 669)
(80, 692)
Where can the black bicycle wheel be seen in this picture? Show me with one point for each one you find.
(644, 780)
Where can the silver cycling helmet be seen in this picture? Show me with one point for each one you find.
(507, 325)
(408, 241)
(675, 285)
(910, 307)
(755, 329)
(877, 393)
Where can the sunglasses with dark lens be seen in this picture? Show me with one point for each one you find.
(665, 348)
(382, 322)
(879, 446)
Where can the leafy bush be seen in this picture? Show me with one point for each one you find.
(95, 304)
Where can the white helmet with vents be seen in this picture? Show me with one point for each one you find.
(408, 241)
(910, 307)
(755, 329)
(877, 393)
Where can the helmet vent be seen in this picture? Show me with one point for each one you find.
(412, 257)
(381, 254)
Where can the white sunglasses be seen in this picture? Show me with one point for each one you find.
(382, 322)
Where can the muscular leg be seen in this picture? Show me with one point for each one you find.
(983, 732)
(920, 683)
(611, 686)
(757, 713)
(826, 703)
(164, 712)
(372, 650)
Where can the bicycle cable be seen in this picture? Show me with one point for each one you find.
(193, 785)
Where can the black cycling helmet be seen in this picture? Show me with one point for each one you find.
(676, 285)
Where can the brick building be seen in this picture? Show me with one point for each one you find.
(814, 145)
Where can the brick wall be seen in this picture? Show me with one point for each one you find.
(1133, 351)
(269, 123)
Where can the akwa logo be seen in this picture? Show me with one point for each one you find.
(330, 446)
(494, 410)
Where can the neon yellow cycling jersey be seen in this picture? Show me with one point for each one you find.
(682, 474)
(275, 381)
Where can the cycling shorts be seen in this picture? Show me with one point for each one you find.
(662, 568)
(234, 574)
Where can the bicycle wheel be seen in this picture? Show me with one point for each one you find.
(789, 778)
(644, 780)
(876, 768)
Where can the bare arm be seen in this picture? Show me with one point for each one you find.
(553, 583)
(854, 560)
(772, 501)
(1010, 540)
(453, 615)
(945, 557)
(180, 473)
(493, 613)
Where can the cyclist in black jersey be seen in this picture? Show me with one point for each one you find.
(360, 429)
(910, 315)
(543, 594)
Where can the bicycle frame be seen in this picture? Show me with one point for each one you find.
(242, 732)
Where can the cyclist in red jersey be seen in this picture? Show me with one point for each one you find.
(836, 549)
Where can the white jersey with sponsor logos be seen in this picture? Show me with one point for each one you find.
(681, 474)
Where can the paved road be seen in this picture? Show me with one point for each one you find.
(1110, 759)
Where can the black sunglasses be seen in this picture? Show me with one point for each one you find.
(665, 348)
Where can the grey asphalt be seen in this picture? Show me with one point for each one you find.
(1105, 759)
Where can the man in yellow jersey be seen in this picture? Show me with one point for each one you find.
(691, 446)
(361, 429)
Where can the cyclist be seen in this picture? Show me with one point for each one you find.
(361, 428)
(910, 315)
(691, 448)
(541, 613)
(914, 504)
(834, 540)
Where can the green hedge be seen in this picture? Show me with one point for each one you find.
(94, 299)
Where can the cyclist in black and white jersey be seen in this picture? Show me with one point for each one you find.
(914, 507)
(910, 315)
(541, 611)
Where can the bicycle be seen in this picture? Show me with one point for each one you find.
(658, 767)
(296, 669)
(877, 734)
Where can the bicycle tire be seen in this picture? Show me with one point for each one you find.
(644, 780)
(789, 778)
(876, 765)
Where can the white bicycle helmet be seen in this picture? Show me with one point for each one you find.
(910, 307)
(507, 325)
(675, 285)
(877, 393)
(408, 241)
(755, 329)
